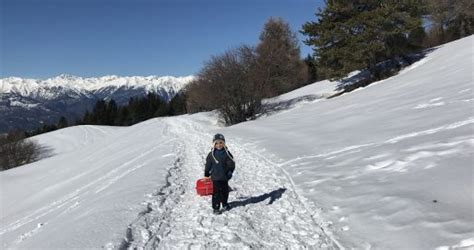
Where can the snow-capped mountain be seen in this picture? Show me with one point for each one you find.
(75, 86)
(27, 103)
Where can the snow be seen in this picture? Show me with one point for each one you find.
(322, 89)
(259, 218)
(103, 180)
(389, 166)
(79, 85)
(74, 138)
(87, 193)
(24, 105)
(394, 159)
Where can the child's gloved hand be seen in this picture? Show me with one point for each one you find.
(229, 175)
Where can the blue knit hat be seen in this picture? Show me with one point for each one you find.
(218, 137)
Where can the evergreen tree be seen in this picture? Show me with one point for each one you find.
(131, 110)
(99, 112)
(111, 113)
(142, 112)
(352, 35)
(87, 119)
(79, 121)
(312, 69)
(123, 118)
(48, 128)
(178, 104)
(62, 123)
(162, 110)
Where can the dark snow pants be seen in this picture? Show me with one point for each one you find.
(220, 193)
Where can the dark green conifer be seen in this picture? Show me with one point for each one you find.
(353, 35)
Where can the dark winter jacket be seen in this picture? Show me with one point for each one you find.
(221, 166)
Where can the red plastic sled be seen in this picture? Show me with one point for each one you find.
(204, 186)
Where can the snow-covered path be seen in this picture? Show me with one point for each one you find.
(267, 212)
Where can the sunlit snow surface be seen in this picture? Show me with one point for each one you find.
(389, 166)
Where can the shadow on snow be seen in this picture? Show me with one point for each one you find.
(244, 201)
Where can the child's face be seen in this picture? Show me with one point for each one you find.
(219, 144)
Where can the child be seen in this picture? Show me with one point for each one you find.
(219, 166)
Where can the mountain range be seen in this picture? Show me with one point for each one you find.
(30, 103)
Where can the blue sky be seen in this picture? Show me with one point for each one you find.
(44, 38)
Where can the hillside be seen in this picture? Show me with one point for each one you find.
(389, 166)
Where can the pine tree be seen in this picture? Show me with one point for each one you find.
(123, 118)
(99, 112)
(178, 104)
(87, 119)
(111, 113)
(312, 69)
(352, 35)
(62, 123)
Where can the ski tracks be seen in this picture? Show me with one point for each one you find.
(39, 218)
(266, 210)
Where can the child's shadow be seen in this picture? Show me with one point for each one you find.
(273, 195)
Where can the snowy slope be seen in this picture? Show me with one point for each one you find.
(358, 171)
(322, 89)
(87, 193)
(310, 93)
(392, 164)
(142, 178)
